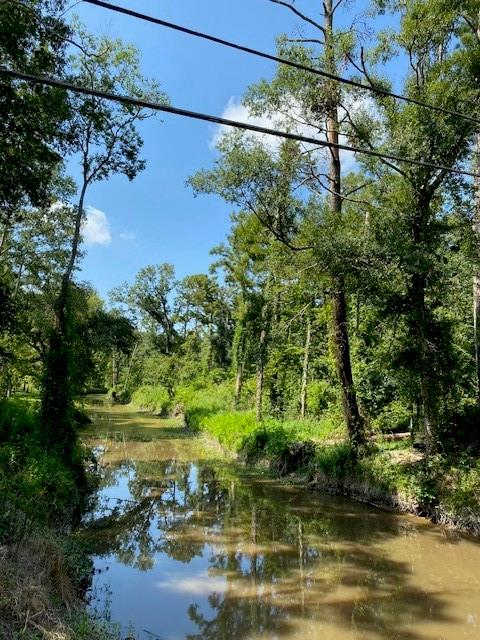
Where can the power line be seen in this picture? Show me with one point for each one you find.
(269, 56)
(197, 115)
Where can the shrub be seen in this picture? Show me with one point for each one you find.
(154, 399)
(231, 428)
(459, 429)
(18, 420)
(321, 396)
(284, 451)
(336, 460)
(394, 417)
(119, 395)
(326, 428)
(38, 486)
(199, 403)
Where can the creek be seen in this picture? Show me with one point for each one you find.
(189, 546)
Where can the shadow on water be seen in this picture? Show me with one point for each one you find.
(212, 553)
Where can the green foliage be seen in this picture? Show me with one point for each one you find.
(79, 564)
(84, 627)
(119, 394)
(38, 486)
(231, 428)
(57, 406)
(32, 124)
(264, 442)
(18, 421)
(198, 403)
(321, 395)
(153, 399)
(392, 418)
(336, 461)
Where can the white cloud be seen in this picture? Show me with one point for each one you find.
(237, 111)
(128, 236)
(96, 227)
(291, 120)
(200, 584)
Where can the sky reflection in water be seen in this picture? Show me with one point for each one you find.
(186, 548)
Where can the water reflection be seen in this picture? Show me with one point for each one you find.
(197, 552)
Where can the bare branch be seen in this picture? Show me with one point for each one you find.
(344, 196)
(370, 146)
(469, 23)
(362, 186)
(273, 231)
(301, 15)
(306, 40)
(300, 313)
(364, 67)
(335, 7)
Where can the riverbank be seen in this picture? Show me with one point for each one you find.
(388, 473)
(42, 582)
(43, 573)
(441, 490)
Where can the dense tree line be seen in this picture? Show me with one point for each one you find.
(343, 291)
(340, 283)
(51, 325)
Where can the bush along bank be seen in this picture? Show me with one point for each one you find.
(391, 474)
(156, 399)
(43, 574)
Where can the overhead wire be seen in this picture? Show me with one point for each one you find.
(197, 115)
(268, 56)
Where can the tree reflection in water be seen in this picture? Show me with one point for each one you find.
(286, 565)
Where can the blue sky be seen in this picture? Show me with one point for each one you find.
(155, 218)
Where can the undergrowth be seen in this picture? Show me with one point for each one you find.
(318, 450)
(42, 583)
(37, 487)
(152, 398)
(43, 575)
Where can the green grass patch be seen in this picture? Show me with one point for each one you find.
(231, 428)
(199, 403)
(152, 398)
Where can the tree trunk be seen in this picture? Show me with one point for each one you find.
(57, 389)
(353, 418)
(420, 322)
(426, 367)
(239, 357)
(238, 384)
(262, 351)
(306, 358)
(476, 328)
(3, 239)
(476, 277)
(130, 363)
(67, 276)
(114, 368)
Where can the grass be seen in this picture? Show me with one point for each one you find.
(154, 399)
(199, 403)
(41, 594)
(388, 472)
(231, 428)
(42, 576)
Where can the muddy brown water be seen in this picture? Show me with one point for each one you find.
(187, 547)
